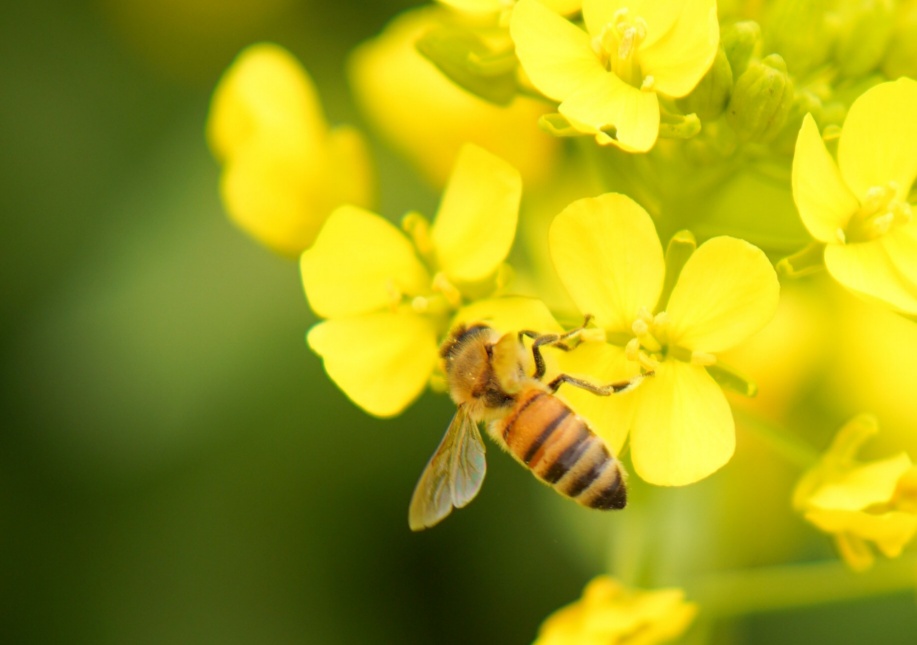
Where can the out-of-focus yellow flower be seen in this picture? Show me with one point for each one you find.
(284, 171)
(608, 78)
(390, 299)
(610, 260)
(610, 614)
(427, 117)
(860, 503)
(487, 7)
(858, 207)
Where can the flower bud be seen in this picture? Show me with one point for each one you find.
(800, 31)
(804, 102)
(709, 98)
(739, 41)
(761, 100)
(864, 37)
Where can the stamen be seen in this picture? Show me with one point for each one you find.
(627, 42)
(883, 223)
(617, 46)
(442, 285)
(880, 211)
(640, 328)
(420, 305)
(702, 358)
(661, 327)
(647, 362)
(644, 328)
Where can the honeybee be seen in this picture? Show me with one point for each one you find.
(487, 380)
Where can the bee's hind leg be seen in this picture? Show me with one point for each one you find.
(600, 390)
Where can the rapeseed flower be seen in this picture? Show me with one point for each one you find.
(860, 504)
(609, 77)
(610, 614)
(390, 299)
(610, 260)
(858, 206)
(284, 170)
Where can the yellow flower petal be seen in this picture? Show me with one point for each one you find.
(605, 105)
(685, 48)
(889, 531)
(273, 193)
(382, 361)
(860, 487)
(824, 202)
(610, 614)
(474, 228)
(877, 140)
(556, 54)
(265, 92)
(609, 258)
(509, 314)
(683, 429)
(359, 263)
(726, 292)
(839, 458)
(901, 246)
(867, 269)
(283, 171)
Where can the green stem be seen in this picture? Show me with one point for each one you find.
(738, 593)
(779, 440)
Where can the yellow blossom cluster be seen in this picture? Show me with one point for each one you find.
(611, 614)
(661, 170)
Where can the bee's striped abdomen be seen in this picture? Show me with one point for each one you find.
(543, 433)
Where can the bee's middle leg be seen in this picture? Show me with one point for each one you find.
(550, 340)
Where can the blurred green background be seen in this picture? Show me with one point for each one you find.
(174, 465)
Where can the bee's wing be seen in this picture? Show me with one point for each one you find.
(453, 475)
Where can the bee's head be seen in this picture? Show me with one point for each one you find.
(461, 337)
(467, 356)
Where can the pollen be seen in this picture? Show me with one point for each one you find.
(441, 284)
